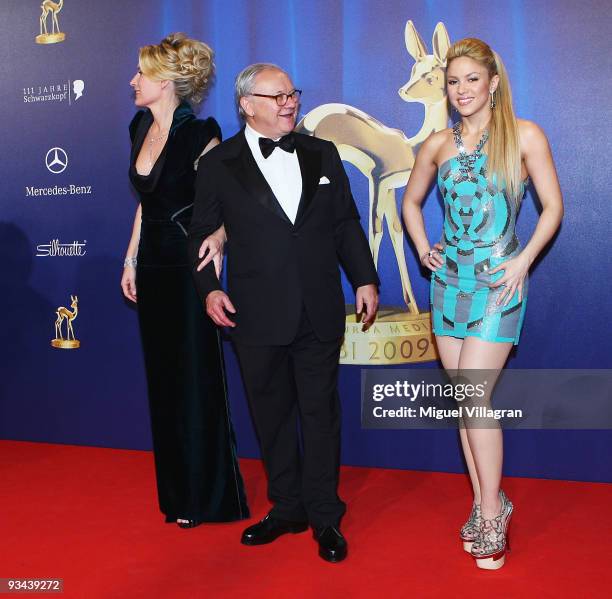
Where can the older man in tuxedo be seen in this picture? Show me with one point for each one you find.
(290, 220)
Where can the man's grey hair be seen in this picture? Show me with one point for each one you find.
(245, 81)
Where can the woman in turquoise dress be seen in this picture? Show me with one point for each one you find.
(479, 269)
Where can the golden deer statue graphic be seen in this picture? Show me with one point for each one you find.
(62, 314)
(385, 156)
(53, 8)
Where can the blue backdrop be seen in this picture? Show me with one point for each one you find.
(351, 52)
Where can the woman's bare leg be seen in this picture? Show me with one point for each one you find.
(486, 444)
(449, 349)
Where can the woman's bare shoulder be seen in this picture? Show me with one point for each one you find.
(436, 141)
(531, 134)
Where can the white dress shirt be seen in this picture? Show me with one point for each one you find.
(282, 172)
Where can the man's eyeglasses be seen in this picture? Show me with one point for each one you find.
(281, 99)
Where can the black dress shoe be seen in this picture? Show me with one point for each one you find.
(269, 529)
(332, 545)
(188, 523)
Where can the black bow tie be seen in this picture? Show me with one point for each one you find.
(267, 145)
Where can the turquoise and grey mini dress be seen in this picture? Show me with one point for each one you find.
(479, 234)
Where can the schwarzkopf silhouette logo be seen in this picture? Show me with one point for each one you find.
(78, 87)
(69, 91)
(56, 160)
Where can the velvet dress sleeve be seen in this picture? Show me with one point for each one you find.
(206, 130)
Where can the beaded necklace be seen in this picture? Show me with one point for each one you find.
(154, 140)
(467, 161)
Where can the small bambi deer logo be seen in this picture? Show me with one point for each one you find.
(48, 7)
(385, 155)
(62, 314)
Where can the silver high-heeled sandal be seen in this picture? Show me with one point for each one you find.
(469, 531)
(489, 548)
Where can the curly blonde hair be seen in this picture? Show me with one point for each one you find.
(185, 61)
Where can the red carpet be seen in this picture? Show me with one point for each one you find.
(89, 516)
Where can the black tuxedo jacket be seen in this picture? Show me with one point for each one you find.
(276, 269)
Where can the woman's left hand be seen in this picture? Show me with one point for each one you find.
(515, 271)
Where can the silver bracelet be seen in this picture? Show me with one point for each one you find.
(130, 262)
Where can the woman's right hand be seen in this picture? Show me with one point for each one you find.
(212, 250)
(433, 258)
(128, 283)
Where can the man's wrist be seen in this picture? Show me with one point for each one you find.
(364, 285)
(211, 294)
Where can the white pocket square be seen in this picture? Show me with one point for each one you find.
(323, 181)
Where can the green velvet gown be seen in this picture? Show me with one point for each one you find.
(193, 440)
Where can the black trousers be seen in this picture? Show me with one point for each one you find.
(294, 387)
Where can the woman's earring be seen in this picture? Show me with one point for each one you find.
(492, 103)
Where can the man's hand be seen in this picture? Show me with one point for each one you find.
(216, 304)
(367, 297)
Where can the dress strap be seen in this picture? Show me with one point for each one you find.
(457, 136)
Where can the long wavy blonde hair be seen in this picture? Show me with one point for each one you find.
(503, 146)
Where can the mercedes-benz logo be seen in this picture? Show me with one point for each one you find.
(56, 160)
